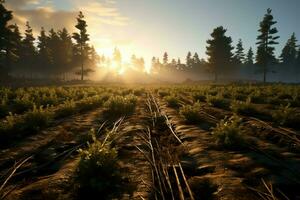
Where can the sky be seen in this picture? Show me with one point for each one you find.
(150, 27)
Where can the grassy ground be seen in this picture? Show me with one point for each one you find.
(151, 142)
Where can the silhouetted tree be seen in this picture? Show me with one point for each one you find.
(289, 52)
(189, 60)
(81, 41)
(249, 57)
(266, 41)
(219, 52)
(153, 64)
(65, 51)
(180, 66)
(53, 43)
(165, 59)
(5, 42)
(196, 63)
(44, 58)
(239, 55)
(13, 47)
(196, 59)
(28, 53)
(173, 63)
(138, 63)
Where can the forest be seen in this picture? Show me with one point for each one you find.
(60, 55)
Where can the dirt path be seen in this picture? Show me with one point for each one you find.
(52, 152)
(231, 172)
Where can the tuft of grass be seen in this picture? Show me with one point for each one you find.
(37, 118)
(286, 115)
(172, 101)
(218, 101)
(199, 97)
(244, 108)
(191, 113)
(228, 133)
(66, 109)
(120, 106)
(98, 171)
(163, 93)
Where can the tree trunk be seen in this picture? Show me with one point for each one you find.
(81, 51)
(82, 71)
(265, 73)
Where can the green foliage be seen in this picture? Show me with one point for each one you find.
(219, 52)
(66, 109)
(98, 171)
(23, 103)
(218, 101)
(286, 115)
(191, 113)
(14, 126)
(163, 93)
(119, 105)
(266, 41)
(228, 133)
(37, 118)
(198, 96)
(172, 101)
(244, 108)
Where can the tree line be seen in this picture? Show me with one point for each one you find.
(226, 60)
(59, 53)
(53, 54)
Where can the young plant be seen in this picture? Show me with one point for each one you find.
(118, 106)
(37, 118)
(172, 101)
(243, 108)
(218, 101)
(286, 115)
(98, 171)
(66, 109)
(191, 113)
(228, 133)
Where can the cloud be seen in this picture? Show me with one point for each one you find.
(43, 13)
(104, 19)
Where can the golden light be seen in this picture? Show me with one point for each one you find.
(121, 71)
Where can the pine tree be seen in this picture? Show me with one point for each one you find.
(249, 58)
(239, 53)
(173, 62)
(165, 59)
(196, 59)
(44, 56)
(28, 54)
(289, 52)
(13, 47)
(53, 43)
(219, 52)
(189, 60)
(81, 39)
(5, 39)
(266, 42)
(180, 66)
(153, 64)
(65, 51)
(196, 62)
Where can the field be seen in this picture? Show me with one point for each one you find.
(205, 142)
